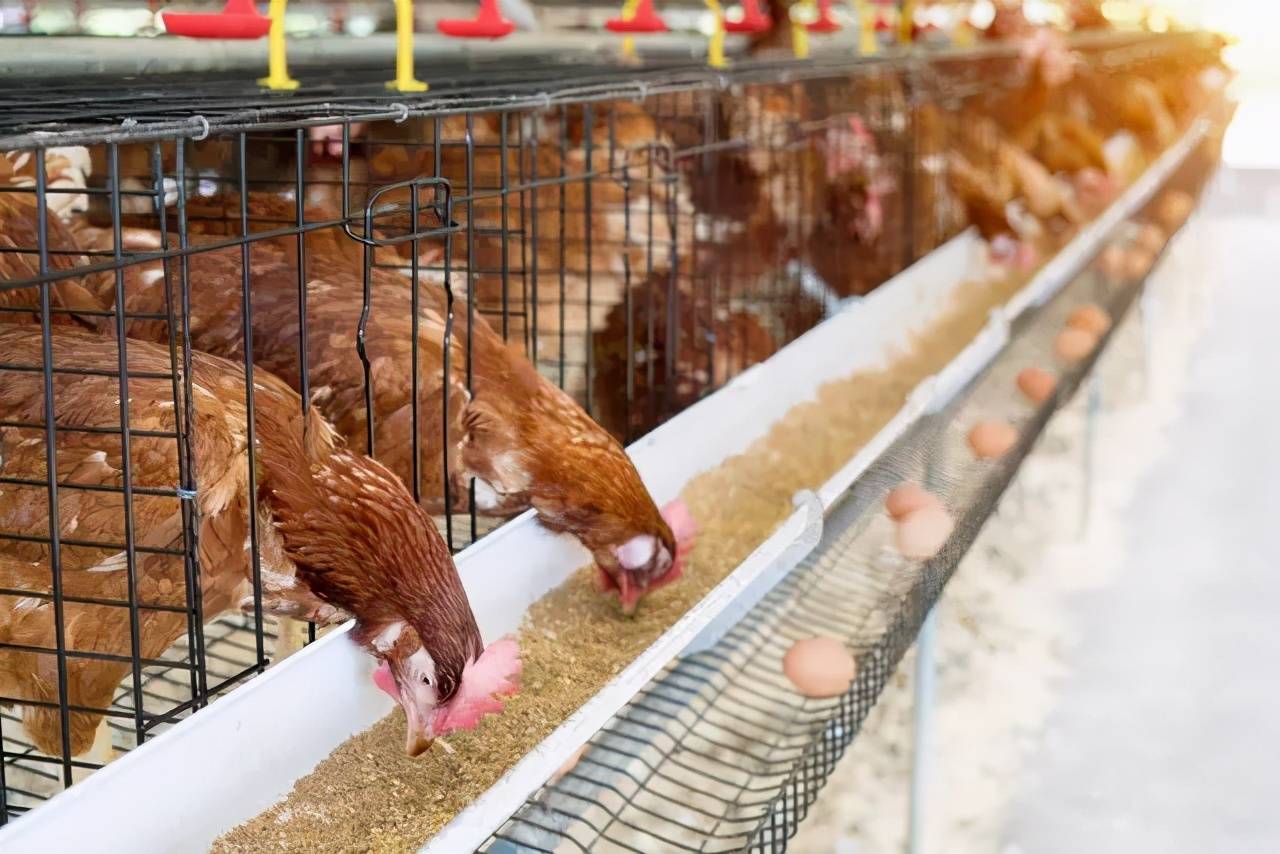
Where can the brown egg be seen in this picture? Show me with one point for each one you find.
(992, 439)
(1112, 263)
(1072, 345)
(1150, 237)
(1090, 318)
(907, 496)
(819, 667)
(922, 532)
(569, 764)
(1037, 384)
(1137, 263)
(1174, 207)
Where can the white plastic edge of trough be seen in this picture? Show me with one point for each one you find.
(243, 753)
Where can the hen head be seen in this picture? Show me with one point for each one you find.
(581, 482)
(1046, 53)
(410, 608)
(640, 559)
(1007, 252)
(456, 701)
(847, 147)
(528, 444)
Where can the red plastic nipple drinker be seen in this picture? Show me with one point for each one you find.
(824, 23)
(753, 20)
(645, 20)
(239, 19)
(487, 24)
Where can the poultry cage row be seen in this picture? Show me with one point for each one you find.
(641, 236)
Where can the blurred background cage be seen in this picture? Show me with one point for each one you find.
(641, 235)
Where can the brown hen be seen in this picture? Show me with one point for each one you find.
(526, 442)
(314, 496)
(671, 368)
(572, 208)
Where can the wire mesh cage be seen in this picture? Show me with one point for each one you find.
(181, 290)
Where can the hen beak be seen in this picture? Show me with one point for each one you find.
(417, 744)
(418, 737)
(629, 594)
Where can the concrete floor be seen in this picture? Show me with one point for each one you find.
(1166, 738)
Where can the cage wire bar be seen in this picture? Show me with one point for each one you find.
(642, 235)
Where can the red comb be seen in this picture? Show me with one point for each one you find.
(383, 679)
(847, 148)
(496, 673)
(1026, 257)
(683, 527)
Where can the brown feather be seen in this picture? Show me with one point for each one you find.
(524, 437)
(339, 510)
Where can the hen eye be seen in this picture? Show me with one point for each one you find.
(426, 680)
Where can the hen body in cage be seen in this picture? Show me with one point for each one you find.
(20, 242)
(567, 202)
(85, 404)
(677, 346)
(302, 572)
(527, 443)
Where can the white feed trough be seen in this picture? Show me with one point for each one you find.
(235, 759)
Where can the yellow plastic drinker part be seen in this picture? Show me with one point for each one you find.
(405, 81)
(868, 44)
(629, 43)
(277, 61)
(800, 32)
(906, 24)
(715, 45)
